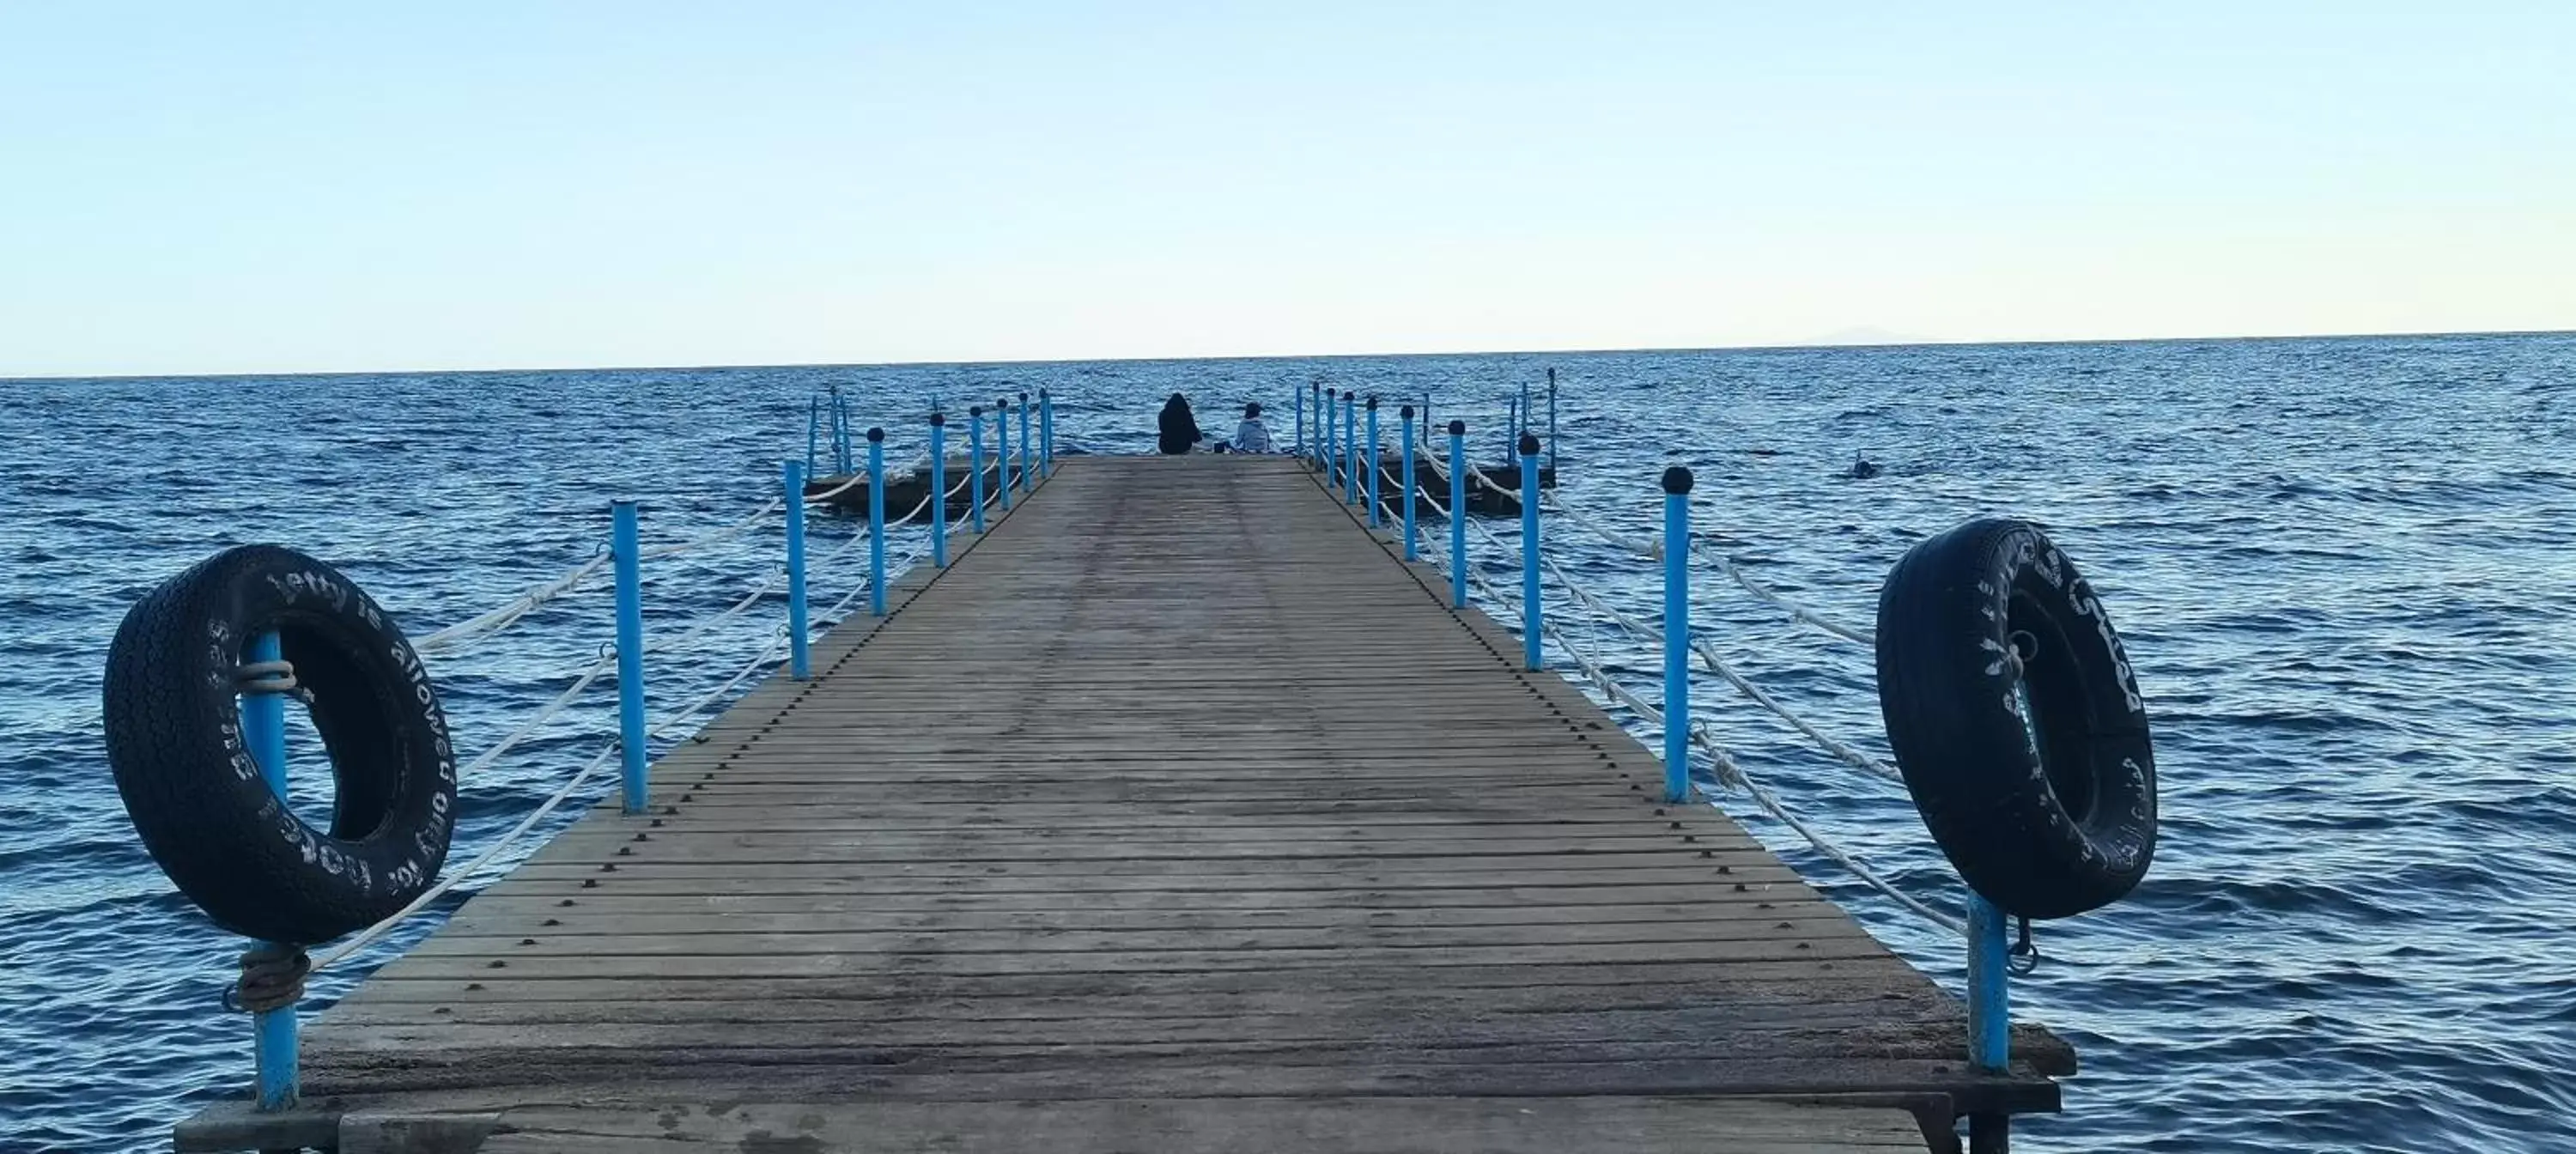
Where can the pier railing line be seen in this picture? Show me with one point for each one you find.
(1721, 765)
(458, 638)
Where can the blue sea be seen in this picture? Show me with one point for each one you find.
(2345, 570)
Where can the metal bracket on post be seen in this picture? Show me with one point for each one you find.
(1405, 415)
(975, 462)
(799, 663)
(1531, 614)
(1677, 487)
(1458, 514)
(630, 655)
(1989, 1015)
(1377, 512)
(876, 522)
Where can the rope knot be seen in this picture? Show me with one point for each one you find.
(272, 978)
(277, 677)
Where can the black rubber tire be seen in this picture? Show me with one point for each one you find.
(2049, 820)
(194, 791)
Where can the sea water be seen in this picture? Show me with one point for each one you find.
(2345, 569)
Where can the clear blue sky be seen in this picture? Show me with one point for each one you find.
(239, 187)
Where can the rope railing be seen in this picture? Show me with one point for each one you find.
(456, 637)
(1702, 548)
(1723, 767)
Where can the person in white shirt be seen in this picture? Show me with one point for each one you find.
(1251, 436)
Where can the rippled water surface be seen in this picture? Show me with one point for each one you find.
(2346, 570)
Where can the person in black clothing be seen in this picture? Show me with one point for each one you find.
(1180, 429)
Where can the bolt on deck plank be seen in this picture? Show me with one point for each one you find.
(1178, 813)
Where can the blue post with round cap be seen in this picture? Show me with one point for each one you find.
(876, 521)
(1677, 487)
(938, 489)
(1989, 1015)
(1377, 512)
(1002, 454)
(1531, 615)
(1027, 482)
(799, 664)
(975, 465)
(1458, 514)
(1405, 415)
(273, 1037)
(630, 654)
(1350, 447)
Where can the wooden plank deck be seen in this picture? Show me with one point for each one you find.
(1178, 813)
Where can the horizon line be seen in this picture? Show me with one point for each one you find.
(1811, 346)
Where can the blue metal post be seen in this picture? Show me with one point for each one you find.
(1046, 433)
(1405, 414)
(1297, 401)
(273, 1040)
(876, 521)
(1677, 487)
(1531, 615)
(1989, 1015)
(1027, 482)
(939, 490)
(1377, 511)
(1989, 996)
(798, 663)
(813, 426)
(1350, 447)
(630, 654)
(1458, 514)
(1002, 449)
(975, 462)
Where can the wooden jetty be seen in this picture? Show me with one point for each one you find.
(1178, 813)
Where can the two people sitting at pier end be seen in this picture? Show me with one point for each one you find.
(1179, 430)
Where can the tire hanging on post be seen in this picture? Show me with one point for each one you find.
(2016, 720)
(175, 674)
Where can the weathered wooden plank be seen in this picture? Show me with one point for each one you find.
(1218, 1126)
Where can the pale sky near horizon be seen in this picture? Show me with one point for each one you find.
(252, 188)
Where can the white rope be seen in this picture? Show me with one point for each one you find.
(458, 876)
(711, 620)
(1728, 772)
(1724, 767)
(719, 534)
(455, 877)
(1810, 617)
(1847, 754)
(1653, 546)
(455, 637)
